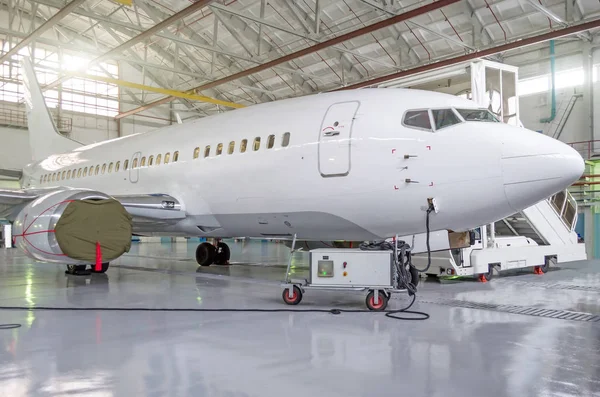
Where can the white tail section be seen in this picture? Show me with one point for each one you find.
(44, 138)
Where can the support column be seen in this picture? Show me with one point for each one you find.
(588, 231)
(588, 101)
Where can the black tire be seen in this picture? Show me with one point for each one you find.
(489, 275)
(223, 253)
(75, 268)
(205, 254)
(105, 266)
(548, 263)
(296, 296)
(383, 301)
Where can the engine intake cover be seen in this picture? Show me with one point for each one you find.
(85, 222)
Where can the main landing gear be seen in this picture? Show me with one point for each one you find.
(207, 254)
(81, 270)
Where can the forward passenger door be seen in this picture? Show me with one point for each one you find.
(335, 138)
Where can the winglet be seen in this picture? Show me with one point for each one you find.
(44, 138)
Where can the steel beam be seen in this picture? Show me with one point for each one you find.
(66, 10)
(381, 8)
(306, 51)
(175, 93)
(262, 21)
(582, 27)
(189, 10)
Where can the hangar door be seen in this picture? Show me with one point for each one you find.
(334, 139)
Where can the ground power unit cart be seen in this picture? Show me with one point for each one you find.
(381, 270)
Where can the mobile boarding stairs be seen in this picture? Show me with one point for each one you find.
(539, 236)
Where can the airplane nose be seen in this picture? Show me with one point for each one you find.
(535, 166)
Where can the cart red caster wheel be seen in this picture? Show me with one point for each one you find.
(295, 298)
(379, 306)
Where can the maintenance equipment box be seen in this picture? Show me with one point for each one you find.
(351, 267)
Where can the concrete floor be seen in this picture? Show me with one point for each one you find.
(460, 351)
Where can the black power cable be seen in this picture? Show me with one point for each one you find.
(429, 211)
(9, 326)
(388, 313)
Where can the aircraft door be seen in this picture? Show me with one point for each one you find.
(334, 139)
(134, 167)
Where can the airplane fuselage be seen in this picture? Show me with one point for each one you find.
(351, 169)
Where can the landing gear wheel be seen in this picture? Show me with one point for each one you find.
(222, 254)
(295, 298)
(379, 306)
(205, 254)
(77, 270)
(548, 263)
(105, 266)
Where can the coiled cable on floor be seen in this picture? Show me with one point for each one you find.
(403, 264)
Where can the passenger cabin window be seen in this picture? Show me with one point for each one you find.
(69, 174)
(79, 171)
(285, 140)
(41, 178)
(103, 168)
(135, 163)
(196, 153)
(167, 157)
(270, 141)
(110, 168)
(85, 172)
(418, 119)
(150, 161)
(444, 118)
(175, 156)
(207, 151)
(158, 157)
(64, 175)
(117, 166)
(256, 145)
(243, 145)
(143, 162)
(231, 147)
(125, 165)
(53, 177)
(219, 149)
(46, 178)
(478, 115)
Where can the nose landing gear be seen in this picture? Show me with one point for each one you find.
(207, 254)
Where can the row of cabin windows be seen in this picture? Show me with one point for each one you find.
(285, 141)
(91, 171)
(152, 160)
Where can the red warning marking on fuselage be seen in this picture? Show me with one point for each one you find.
(326, 128)
(431, 184)
(428, 147)
(393, 151)
(395, 187)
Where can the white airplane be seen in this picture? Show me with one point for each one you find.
(352, 165)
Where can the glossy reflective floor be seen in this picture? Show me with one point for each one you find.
(459, 351)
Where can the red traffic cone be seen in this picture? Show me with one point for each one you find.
(98, 257)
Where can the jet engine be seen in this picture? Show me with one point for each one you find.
(65, 226)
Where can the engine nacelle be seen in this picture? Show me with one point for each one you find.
(64, 226)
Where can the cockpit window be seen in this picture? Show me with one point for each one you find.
(444, 118)
(478, 115)
(417, 118)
